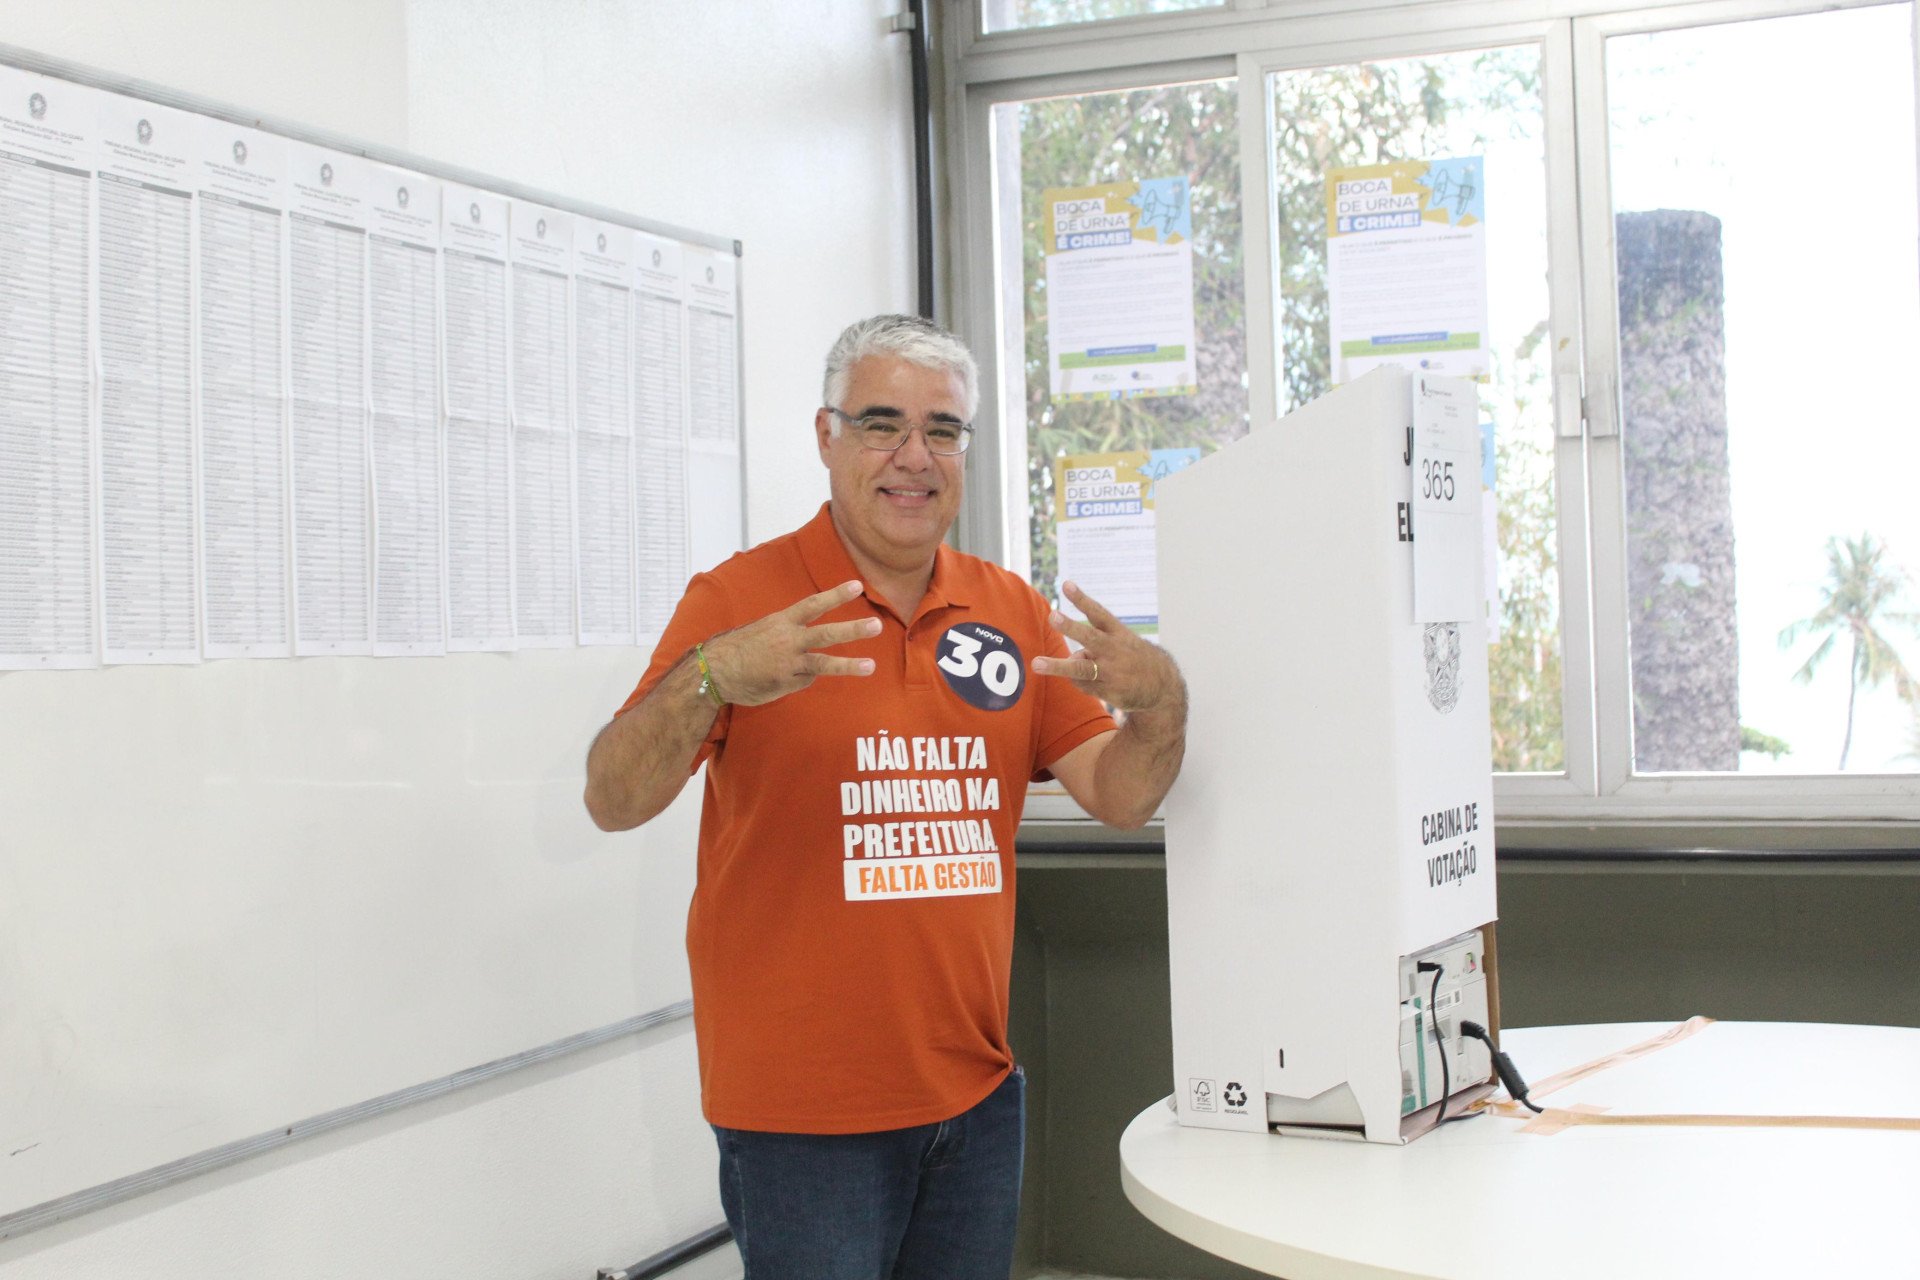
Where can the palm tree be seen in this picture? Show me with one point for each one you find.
(1860, 587)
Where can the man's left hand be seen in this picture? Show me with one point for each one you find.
(1113, 663)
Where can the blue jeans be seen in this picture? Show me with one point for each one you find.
(934, 1202)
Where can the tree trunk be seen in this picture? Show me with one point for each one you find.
(1853, 688)
(1682, 637)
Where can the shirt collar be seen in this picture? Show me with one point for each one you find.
(829, 564)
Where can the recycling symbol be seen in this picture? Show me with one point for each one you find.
(1235, 1095)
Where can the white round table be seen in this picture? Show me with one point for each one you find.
(1480, 1200)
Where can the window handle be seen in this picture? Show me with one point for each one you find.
(1603, 419)
(1569, 409)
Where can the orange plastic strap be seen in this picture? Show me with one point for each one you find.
(1557, 1119)
(1671, 1036)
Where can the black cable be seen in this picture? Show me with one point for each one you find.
(1503, 1065)
(1439, 1043)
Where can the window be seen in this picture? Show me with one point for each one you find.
(1767, 318)
(1703, 295)
(1188, 131)
(1477, 102)
(1013, 15)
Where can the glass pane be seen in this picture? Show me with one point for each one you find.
(1013, 15)
(1485, 103)
(1769, 316)
(1187, 131)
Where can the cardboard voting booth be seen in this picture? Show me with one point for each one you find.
(1330, 886)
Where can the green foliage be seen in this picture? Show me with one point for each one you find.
(1751, 739)
(1856, 604)
(1524, 665)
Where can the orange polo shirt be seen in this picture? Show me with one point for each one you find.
(851, 933)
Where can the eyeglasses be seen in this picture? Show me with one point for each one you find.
(887, 433)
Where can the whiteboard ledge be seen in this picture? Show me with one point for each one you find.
(166, 1175)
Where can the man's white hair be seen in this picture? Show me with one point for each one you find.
(912, 339)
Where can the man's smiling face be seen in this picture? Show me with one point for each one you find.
(894, 507)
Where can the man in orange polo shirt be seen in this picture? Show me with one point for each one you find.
(871, 705)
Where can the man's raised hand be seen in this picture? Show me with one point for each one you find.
(1113, 663)
(777, 655)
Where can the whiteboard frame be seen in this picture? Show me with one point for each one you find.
(101, 1196)
(147, 91)
(45, 1214)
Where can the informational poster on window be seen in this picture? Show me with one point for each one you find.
(1103, 527)
(1407, 267)
(1120, 290)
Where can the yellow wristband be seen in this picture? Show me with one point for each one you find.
(706, 676)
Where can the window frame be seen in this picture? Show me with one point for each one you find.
(1620, 794)
(1208, 10)
(1597, 797)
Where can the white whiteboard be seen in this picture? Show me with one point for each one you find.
(237, 894)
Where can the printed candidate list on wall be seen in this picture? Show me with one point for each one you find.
(144, 252)
(542, 256)
(327, 345)
(479, 469)
(603, 432)
(46, 369)
(242, 397)
(713, 405)
(261, 398)
(327, 381)
(660, 419)
(713, 371)
(403, 290)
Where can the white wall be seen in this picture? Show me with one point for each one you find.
(782, 124)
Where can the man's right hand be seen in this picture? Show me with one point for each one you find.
(777, 655)
(640, 762)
